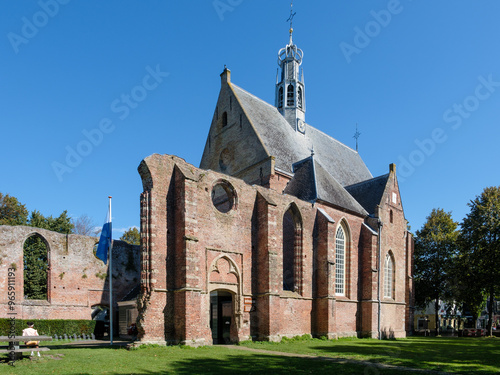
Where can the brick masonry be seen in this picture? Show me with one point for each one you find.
(77, 280)
(191, 250)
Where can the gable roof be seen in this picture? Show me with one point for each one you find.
(288, 146)
(311, 182)
(369, 193)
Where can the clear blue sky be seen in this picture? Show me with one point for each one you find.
(409, 73)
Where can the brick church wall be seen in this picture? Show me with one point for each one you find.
(76, 278)
(189, 249)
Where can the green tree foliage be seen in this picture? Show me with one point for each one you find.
(60, 224)
(12, 212)
(480, 243)
(35, 257)
(35, 268)
(435, 250)
(132, 236)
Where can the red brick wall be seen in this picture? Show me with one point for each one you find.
(190, 248)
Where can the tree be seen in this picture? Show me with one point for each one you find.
(60, 224)
(84, 225)
(35, 261)
(12, 212)
(435, 250)
(465, 289)
(35, 257)
(480, 243)
(132, 236)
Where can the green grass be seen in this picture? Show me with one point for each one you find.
(455, 355)
(173, 360)
(450, 354)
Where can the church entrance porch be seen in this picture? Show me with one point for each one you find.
(221, 316)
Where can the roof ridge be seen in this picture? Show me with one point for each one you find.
(253, 96)
(369, 180)
(334, 139)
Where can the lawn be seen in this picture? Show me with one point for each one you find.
(464, 355)
(172, 360)
(449, 354)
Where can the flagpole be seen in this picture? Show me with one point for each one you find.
(110, 239)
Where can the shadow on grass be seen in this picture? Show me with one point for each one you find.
(444, 354)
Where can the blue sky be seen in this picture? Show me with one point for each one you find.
(90, 88)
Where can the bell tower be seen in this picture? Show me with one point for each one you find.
(290, 88)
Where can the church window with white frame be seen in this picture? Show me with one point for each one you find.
(389, 277)
(340, 260)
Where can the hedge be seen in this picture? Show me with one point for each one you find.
(49, 327)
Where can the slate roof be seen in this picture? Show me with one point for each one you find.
(335, 174)
(312, 182)
(288, 147)
(369, 193)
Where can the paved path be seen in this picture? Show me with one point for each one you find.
(373, 365)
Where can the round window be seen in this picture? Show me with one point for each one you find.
(223, 196)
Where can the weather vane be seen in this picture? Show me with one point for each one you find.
(292, 14)
(356, 136)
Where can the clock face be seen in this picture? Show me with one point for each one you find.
(301, 125)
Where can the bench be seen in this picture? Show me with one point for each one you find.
(14, 348)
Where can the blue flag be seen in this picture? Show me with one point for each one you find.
(105, 240)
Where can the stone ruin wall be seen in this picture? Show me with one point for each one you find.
(77, 280)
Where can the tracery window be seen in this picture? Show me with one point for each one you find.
(389, 277)
(340, 261)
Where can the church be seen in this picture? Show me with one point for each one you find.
(281, 231)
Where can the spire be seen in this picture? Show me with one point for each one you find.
(290, 89)
(292, 14)
(356, 136)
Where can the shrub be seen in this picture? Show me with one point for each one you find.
(50, 327)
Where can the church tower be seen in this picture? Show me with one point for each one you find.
(290, 89)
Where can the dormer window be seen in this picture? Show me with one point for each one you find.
(280, 97)
(289, 95)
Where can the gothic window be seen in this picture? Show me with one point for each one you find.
(340, 261)
(292, 250)
(289, 95)
(224, 119)
(391, 217)
(389, 277)
(36, 265)
(280, 97)
(299, 97)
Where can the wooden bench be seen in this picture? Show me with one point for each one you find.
(15, 349)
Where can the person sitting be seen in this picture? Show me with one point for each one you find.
(30, 331)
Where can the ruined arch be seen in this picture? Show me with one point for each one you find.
(36, 266)
(292, 250)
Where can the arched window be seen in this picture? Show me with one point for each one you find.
(35, 264)
(389, 277)
(299, 97)
(224, 119)
(391, 217)
(289, 95)
(292, 250)
(340, 262)
(280, 97)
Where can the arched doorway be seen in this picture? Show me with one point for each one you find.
(222, 320)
